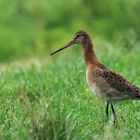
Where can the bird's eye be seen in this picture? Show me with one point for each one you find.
(77, 36)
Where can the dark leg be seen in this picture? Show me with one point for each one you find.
(114, 114)
(107, 109)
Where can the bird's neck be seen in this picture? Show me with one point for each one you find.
(89, 54)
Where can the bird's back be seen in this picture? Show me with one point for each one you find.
(110, 85)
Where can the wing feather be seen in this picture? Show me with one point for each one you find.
(118, 82)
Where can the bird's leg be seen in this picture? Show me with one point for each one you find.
(114, 114)
(107, 106)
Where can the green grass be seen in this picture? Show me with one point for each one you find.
(48, 98)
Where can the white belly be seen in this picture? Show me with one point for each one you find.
(96, 90)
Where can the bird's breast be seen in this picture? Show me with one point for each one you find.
(92, 82)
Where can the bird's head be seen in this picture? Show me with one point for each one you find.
(80, 37)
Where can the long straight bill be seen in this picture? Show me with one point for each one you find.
(66, 46)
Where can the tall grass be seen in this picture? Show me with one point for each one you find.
(49, 98)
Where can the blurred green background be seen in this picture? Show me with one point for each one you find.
(45, 97)
(34, 28)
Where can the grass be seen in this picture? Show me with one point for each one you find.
(48, 98)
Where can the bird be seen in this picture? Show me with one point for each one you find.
(105, 83)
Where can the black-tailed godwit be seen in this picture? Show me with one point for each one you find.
(105, 83)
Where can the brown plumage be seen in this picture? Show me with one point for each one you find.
(105, 83)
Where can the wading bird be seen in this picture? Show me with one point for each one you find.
(105, 83)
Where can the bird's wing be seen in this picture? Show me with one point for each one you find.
(118, 82)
